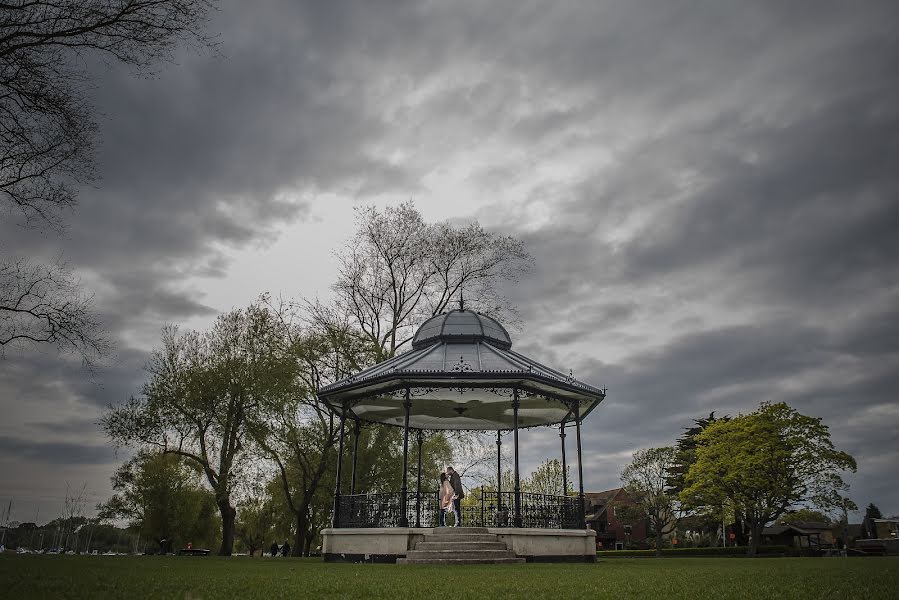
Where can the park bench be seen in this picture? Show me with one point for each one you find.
(193, 552)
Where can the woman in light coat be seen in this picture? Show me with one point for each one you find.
(446, 498)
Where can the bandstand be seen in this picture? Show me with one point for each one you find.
(461, 374)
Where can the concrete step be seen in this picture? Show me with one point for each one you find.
(459, 561)
(454, 545)
(460, 546)
(461, 537)
(460, 554)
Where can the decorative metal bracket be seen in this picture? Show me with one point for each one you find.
(463, 366)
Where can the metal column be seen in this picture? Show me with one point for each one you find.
(564, 464)
(335, 518)
(355, 454)
(580, 465)
(499, 471)
(404, 519)
(515, 403)
(418, 483)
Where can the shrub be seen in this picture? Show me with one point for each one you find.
(719, 551)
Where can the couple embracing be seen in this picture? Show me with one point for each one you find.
(451, 495)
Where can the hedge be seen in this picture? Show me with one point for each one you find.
(720, 551)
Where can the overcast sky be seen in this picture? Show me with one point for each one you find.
(710, 191)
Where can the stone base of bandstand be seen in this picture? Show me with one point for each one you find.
(387, 544)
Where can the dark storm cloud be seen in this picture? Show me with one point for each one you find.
(35, 383)
(55, 453)
(577, 325)
(72, 426)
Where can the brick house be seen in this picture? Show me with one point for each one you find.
(601, 516)
(885, 529)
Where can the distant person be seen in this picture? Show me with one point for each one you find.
(446, 498)
(285, 549)
(274, 549)
(458, 494)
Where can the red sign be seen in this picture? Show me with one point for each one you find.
(674, 542)
(733, 536)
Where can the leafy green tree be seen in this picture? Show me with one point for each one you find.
(254, 522)
(305, 458)
(295, 431)
(507, 481)
(206, 394)
(763, 463)
(162, 499)
(547, 479)
(645, 481)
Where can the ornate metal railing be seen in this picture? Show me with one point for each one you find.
(481, 508)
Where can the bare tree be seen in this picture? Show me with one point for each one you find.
(46, 127)
(45, 304)
(73, 513)
(399, 270)
(473, 455)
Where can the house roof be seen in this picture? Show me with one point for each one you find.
(794, 528)
(599, 502)
(812, 525)
(777, 529)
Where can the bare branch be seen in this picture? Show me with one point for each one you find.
(398, 270)
(47, 130)
(46, 304)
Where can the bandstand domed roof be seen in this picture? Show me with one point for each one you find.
(461, 373)
(461, 325)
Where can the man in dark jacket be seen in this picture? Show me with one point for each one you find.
(458, 494)
(285, 549)
(274, 549)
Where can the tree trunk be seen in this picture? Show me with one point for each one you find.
(658, 541)
(308, 547)
(740, 530)
(228, 514)
(299, 536)
(756, 529)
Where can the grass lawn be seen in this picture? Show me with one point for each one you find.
(254, 578)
